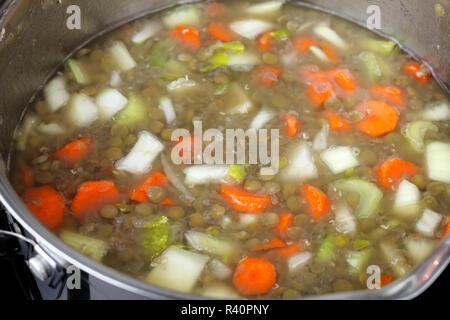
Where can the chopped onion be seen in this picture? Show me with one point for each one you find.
(220, 270)
(324, 31)
(82, 110)
(139, 160)
(297, 261)
(246, 219)
(262, 118)
(166, 105)
(56, 94)
(319, 54)
(407, 200)
(148, 30)
(174, 180)
(205, 174)
(264, 8)
(181, 83)
(428, 223)
(250, 28)
(242, 61)
(301, 164)
(187, 15)
(345, 220)
(51, 129)
(236, 100)
(320, 140)
(438, 161)
(219, 291)
(437, 111)
(115, 79)
(109, 102)
(415, 133)
(419, 248)
(339, 159)
(121, 56)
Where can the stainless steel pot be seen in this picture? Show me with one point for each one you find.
(34, 41)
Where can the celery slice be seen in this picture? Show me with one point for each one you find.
(415, 133)
(174, 69)
(237, 172)
(358, 260)
(78, 72)
(234, 46)
(383, 47)
(327, 249)
(206, 243)
(134, 112)
(91, 247)
(159, 53)
(371, 65)
(156, 235)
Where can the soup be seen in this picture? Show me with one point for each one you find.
(241, 150)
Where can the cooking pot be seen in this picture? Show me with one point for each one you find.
(34, 40)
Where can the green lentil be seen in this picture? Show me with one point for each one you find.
(196, 220)
(144, 209)
(156, 194)
(109, 212)
(114, 154)
(175, 213)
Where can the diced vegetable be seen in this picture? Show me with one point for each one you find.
(121, 56)
(286, 220)
(139, 193)
(339, 159)
(236, 100)
(393, 170)
(345, 220)
(254, 276)
(221, 32)
(109, 102)
(237, 172)
(181, 85)
(177, 269)
(248, 219)
(173, 69)
(159, 53)
(371, 66)
(317, 202)
(319, 89)
(51, 129)
(242, 61)
(155, 236)
(392, 95)
(386, 279)
(324, 31)
(82, 110)
(358, 260)
(437, 111)
(139, 160)
(175, 180)
(219, 291)
(369, 195)
(383, 47)
(115, 80)
(243, 201)
(415, 133)
(419, 248)
(217, 61)
(148, 30)
(274, 243)
(205, 174)
(29, 123)
(407, 200)
(220, 270)
(298, 261)
(91, 247)
(320, 139)
(188, 15)
(319, 54)
(301, 164)
(418, 72)
(335, 121)
(280, 34)
(56, 94)
(264, 8)
(379, 118)
(267, 75)
(327, 250)
(250, 28)
(189, 37)
(428, 223)
(288, 251)
(235, 46)
(345, 79)
(394, 258)
(291, 124)
(133, 113)
(166, 105)
(265, 42)
(46, 204)
(74, 151)
(437, 156)
(263, 117)
(209, 244)
(78, 72)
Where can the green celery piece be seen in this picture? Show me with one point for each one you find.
(237, 172)
(91, 247)
(217, 61)
(358, 245)
(222, 89)
(369, 194)
(371, 65)
(327, 249)
(156, 236)
(210, 244)
(383, 47)
(280, 34)
(415, 133)
(78, 72)
(235, 46)
(159, 53)
(174, 69)
(134, 112)
(358, 260)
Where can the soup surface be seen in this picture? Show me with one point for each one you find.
(363, 171)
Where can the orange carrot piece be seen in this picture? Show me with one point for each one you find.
(289, 250)
(318, 203)
(422, 75)
(243, 201)
(345, 79)
(139, 193)
(386, 279)
(92, 196)
(319, 90)
(335, 121)
(391, 95)
(392, 171)
(46, 204)
(330, 52)
(271, 244)
(302, 44)
(267, 75)
(73, 152)
(265, 42)
(291, 125)
(186, 144)
(167, 203)
(221, 32)
(27, 176)
(446, 230)
(187, 36)
(254, 276)
(286, 221)
(215, 9)
(380, 118)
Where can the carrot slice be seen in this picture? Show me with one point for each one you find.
(139, 193)
(391, 95)
(289, 250)
(167, 203)
(330, 52)
(317, 201)
(335, 121)
(302, 44)
(386, 279)
(291, 125)
(446, 230)
(286, 221)
(319, 90)
(244, 201)
(221, 32)
(267, 75)
(27, 176)
(46, 204)
(417, 72)
(380, 118)
(392, 171)
(254, 276)
(73, 152)
(187, 36)
(271, 244)
(265, 42)
(93, 195)
(345, 79)
(214, 9)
